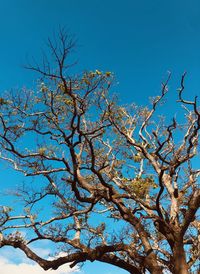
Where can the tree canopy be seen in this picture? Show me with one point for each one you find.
(115, 184)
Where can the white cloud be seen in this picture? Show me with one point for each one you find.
(9, 264)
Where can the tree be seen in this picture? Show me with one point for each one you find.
(116, 184)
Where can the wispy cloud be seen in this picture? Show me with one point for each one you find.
(22, 265)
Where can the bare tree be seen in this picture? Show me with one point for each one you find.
(115, 183)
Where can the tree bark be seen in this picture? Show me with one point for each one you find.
(157, 270)
(179, 261)
(152, 264)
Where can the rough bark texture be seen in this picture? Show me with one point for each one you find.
(179, 259)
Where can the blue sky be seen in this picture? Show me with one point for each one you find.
(138, 40)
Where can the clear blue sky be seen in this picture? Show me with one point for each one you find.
(138, 40)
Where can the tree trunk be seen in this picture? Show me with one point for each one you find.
(180, 264)
(157, 270)
(152, 264)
